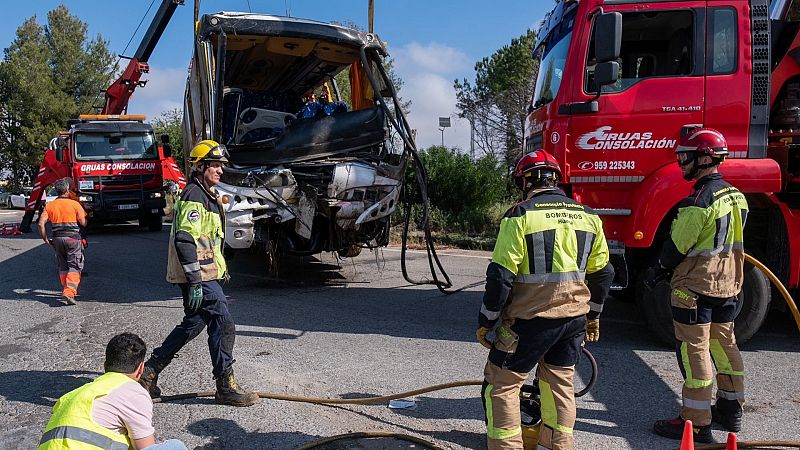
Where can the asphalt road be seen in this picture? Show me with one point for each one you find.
(332, 328)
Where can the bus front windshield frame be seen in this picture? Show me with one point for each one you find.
(552, 54)
(115, 146)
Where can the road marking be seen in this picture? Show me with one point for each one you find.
(421, 252)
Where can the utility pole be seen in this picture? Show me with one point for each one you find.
(371, 14)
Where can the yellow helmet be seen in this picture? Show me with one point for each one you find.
(208, 151)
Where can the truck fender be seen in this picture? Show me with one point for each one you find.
(651, 201)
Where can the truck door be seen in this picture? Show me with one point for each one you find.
(660, 89)
(728, 93)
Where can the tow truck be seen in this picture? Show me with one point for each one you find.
(620, 80)
(119, 170)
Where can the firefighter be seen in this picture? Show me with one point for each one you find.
(67, 217)
(196, 264)
(551, 250)
(705, 254)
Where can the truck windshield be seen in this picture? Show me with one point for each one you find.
(94, 146)
(553, 54)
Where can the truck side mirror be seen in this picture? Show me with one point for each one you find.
(59, 153)
(606, 73)
(166, 148)
(165, 139)
(608, 37)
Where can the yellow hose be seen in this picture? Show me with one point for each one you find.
(778, 284)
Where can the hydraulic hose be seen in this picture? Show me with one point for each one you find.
(781, 288)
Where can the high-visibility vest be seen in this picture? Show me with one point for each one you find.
(203, 219)
(72, 427)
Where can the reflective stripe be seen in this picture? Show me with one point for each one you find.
(549, 413)
(596, 307)
(727, 395)
(716, 251)
(585, 243)
(536, 253)
(192, 267)
(82, 435)
(721, 360)
(72, 285)
(491, 431)
(555, 277)
(696, 404)
(722, 230)
(491, 315)
(690, 382)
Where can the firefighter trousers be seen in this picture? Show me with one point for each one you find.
(553, 344)
(69, 259)
(214, 314)
(704, 335)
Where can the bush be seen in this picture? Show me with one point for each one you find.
(462, 193)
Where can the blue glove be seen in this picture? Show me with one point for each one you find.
(195, 297)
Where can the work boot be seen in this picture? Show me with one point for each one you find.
(727, 414)
(229, 393)
(67, 300)
(149, 378)
(673, 429)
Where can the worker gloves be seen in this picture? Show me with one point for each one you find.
(193, 301)
(480, 335)
(592, 330)
(655, 275)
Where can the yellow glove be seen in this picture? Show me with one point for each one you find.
(592, 330)
(481, 336)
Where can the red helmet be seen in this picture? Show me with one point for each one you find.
(537, 163)
(706, 141)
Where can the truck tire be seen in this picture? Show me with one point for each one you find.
(752, 308)
(152, 222)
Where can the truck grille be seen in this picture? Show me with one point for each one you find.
(116, 181)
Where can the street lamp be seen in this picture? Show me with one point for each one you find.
(444, 122)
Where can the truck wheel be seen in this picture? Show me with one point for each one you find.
(152, 222)
(753, 303)
(752, 307)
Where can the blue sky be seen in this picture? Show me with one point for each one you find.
(432, 42)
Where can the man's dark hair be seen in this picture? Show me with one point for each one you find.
(124, 353)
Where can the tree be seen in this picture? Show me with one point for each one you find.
(171, 123)
(497, 102)
(49, 74)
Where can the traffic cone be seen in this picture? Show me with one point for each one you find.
(687, 442)
(15, 229)
(4, 231)
(731, 445)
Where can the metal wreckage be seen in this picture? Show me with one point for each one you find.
(311, 171)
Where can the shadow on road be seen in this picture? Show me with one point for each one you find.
(40, 387)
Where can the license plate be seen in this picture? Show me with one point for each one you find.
(86, 184)
(129, 206)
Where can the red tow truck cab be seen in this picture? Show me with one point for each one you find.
(118, 169)
(665, 67)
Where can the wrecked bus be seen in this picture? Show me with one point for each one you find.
(316, 165)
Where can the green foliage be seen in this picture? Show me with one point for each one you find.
(497, 102)
(50, 73)
(461, 191)
(169, 123)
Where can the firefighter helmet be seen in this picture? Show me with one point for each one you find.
(705, 141)
(536, 165)
(208, 151)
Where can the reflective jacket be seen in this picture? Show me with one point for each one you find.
(706, 244)
(546, 247)
(197, 237)
(72, 427)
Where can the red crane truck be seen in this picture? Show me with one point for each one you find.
(117, 166)
(664, 67)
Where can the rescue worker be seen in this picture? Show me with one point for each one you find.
(546, 285)
(195, 262)
(706, 255)
(67, 217)
(112, 412)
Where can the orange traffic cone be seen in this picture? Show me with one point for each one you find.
(687, 442)
(731, 445)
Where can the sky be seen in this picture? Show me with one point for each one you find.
(432, 42)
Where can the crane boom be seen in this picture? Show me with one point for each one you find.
(119, 93)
